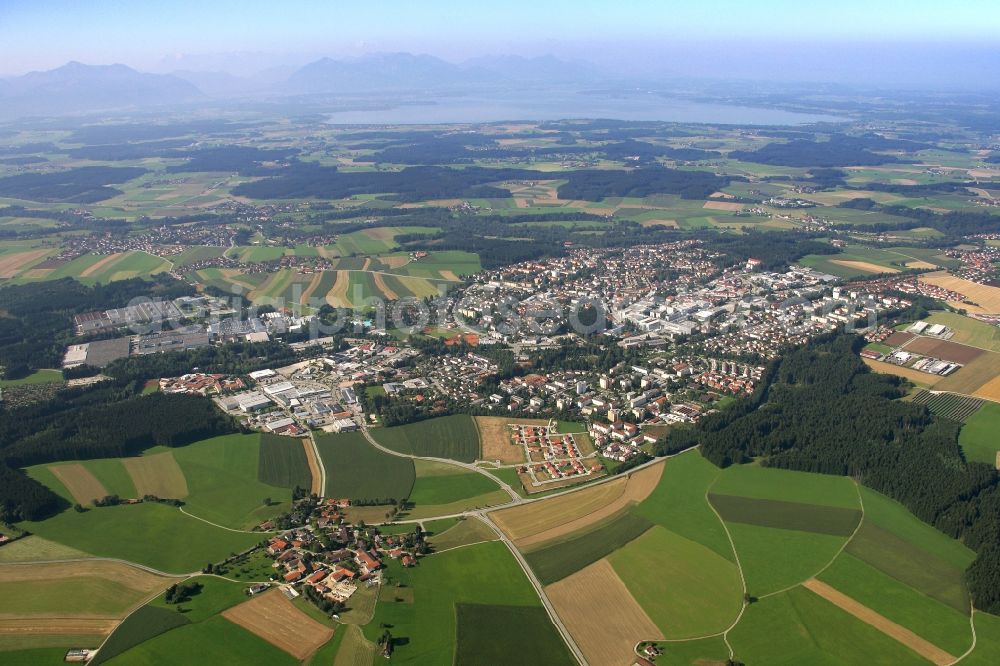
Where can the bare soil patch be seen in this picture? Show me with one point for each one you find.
(899, 338)
(496, 442)
(911, 640)
(273, 617)
(81, 484)
(915, 376)
(608, 636)
(944, 349)
(637, 488)
(158, 475)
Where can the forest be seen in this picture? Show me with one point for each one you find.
(820, 409)
(839, 150)
(80, 185)
(421, 183)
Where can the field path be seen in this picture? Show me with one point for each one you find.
(919, 645)
(316, 467)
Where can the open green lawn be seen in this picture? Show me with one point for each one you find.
(684, 587)
(455, 437)
(222, 481)
(467, 531)
(357, 470)
(773, 558)
(555, 561)
(214, 641)
(679, 504)
(800, 627)
(38, 377)
(481, 574)
(443, 484)
(703, 651)
(987, 641)
(156, 535)
(485, 631)
(978, 438)
(77, 595)
(786, 485)
(928, 618)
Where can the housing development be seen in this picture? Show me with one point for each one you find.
(679, 346)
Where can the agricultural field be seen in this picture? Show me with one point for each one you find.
(496, 441)
(985, 299)
(967, 330)
(454, 437)
(283, 462)
(958, 408)
(156, 535)
(464, 533)
(357, 470)
(981, 378)
(428, 628)
(857, 261)
(979, 436)
(484, 632)
(442, 489)
(274, 618)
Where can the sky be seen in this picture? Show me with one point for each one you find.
(157, 36)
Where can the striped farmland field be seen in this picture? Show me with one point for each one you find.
(952, 406)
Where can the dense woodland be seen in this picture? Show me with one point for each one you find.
(81, 185)
(820, 409)
(839, 150)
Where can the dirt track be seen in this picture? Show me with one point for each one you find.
(919, 645)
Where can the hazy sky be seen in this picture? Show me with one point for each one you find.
(41, 34)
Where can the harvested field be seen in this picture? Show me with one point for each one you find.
(974, 377)
(638, 487)
(100, 265)
(308, 292)
(45, 626)
(12, 264)
(131, 577)
(990, 390)
(944, 349)
(866, 266)
(915, 376)
(607, 637)
(911, 640)
(384, 288)
(337, 296)
(987, 299)
(355, 649)
(316, 488)
(81, 484)
(920, 264)
(158, 475)
(394, 260)
(449, 275)
(723, 205)
(531, 488)
(273, 617)
(495, 439)
(524, 521)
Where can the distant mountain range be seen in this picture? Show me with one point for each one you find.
(79, 88)
(76, 87)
